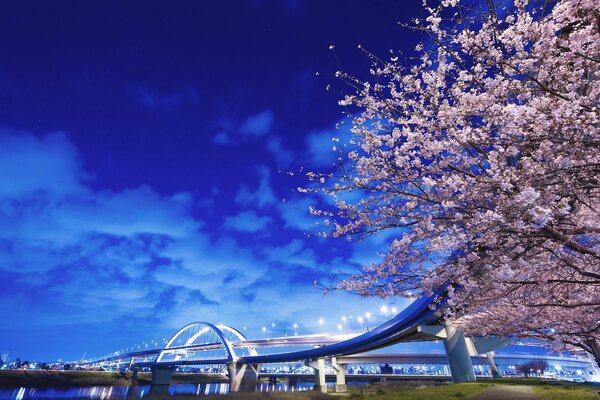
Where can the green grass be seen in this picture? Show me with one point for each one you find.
(422, 392)
(544, 389)
(419, 391)
(567, 391)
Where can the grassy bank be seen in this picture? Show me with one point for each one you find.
(546, 390)
(567, 392)
(428, 391)
(418, 392)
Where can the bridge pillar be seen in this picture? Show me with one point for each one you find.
(161, 379)
(243, 377)
(459, 359)
(493, 367)
(340, 379)
(134, 374)
(319, 366)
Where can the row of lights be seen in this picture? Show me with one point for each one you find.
(361, 320)
(135, 347)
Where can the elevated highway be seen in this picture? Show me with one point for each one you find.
(204, 343)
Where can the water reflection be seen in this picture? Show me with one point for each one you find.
(135, 391)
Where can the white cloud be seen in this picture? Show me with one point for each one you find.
(320, 151)
(260, 197)
(29, 164)
(222, 138)
(154, 99)
(258, 125)
(140, 260)
(294, 252)
(295, 214)
(247, 221)
(282, 155)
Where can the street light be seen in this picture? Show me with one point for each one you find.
(394, 310)
(360, 319)
(295, 329)
(321, 321)
(344, 321)
(384, 310)
(339, 326)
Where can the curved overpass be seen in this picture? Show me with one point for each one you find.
(205, 343)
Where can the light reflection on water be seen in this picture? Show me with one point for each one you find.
(134, 391)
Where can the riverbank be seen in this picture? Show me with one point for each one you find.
(38, 378)
(543, 390)
(100, 381)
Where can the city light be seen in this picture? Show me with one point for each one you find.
(384, 309)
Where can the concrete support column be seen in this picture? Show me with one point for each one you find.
(459, 358)
(243, 377)
(340, 380)
(134, 374)
(161, 379)
(493, 368)
(319, 366)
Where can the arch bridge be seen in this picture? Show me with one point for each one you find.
(202, 343)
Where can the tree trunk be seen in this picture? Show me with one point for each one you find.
(595, 347)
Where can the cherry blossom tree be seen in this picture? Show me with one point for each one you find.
(482, 157)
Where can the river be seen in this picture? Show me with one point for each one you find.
(133, 391)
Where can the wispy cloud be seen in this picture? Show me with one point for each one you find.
(259, 124)
(158, 100)
(295, 214)
(222, 138)
(321, 150)
(295, 252)
(254, 126)
(283, 156)
(261, 196)
(141, 260)
(247, 221)
(29, 164)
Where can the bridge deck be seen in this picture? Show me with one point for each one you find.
(404, 327)
(425, 310)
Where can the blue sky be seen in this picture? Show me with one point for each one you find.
(144, 158)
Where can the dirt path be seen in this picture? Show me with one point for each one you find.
(507, 393)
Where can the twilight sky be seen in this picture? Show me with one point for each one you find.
(144, 151)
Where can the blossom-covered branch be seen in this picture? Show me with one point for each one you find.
(484, 157)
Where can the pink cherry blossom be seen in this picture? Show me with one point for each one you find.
(483, 157)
